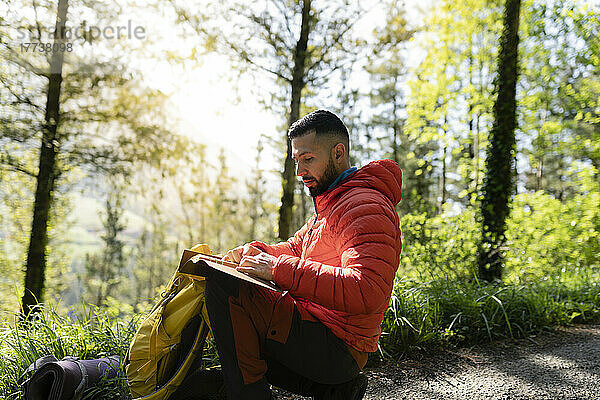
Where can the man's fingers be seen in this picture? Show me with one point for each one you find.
(230, 256)
(248, 266)
(249, 250)
(234, 255)
(248, 261)
(257, 266)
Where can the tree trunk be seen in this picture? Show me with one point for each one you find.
(255, 194)
(476, 153)
(395, 124)
(36, 255)
(289, 175)
(471, 184)
(498, 182)
(443, 180)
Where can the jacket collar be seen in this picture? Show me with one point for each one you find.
(384, 176)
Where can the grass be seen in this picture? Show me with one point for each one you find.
(87, 333)
(457, 312)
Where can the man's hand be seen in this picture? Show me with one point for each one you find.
(235, 255)
(260, 266)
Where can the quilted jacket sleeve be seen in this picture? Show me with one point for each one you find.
(291, 247)
(368, 240)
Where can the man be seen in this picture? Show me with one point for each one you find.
(336, 274)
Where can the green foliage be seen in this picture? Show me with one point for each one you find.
(450, 102)
(444, 245)
(559, 104)
(457, 311)
(550, 239)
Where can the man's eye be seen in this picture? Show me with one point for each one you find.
(308, 159)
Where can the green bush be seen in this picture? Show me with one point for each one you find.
(549, 238)
(444, 245)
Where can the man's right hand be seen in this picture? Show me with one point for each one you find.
(236, 254)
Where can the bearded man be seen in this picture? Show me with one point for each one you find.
(336, 274)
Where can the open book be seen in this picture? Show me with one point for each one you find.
(194, 264)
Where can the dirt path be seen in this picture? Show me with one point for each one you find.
(562, 364)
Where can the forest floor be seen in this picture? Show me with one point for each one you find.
(563, 363)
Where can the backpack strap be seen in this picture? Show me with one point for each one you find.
(34, 366)
(84, 377)
(40, 362)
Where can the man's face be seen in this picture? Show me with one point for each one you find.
(314, 163)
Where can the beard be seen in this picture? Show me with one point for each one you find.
(325, 181)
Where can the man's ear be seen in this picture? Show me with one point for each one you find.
(338, 151)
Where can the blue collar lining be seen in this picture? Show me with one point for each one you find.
(342, 176)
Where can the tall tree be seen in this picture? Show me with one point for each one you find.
(255, 187)
(188, 177)
(36, 255)
(275, 37)
(387, 70)
(559, 96)
(155, 254)
(225, 208)
(498, 185)
(52, 101)
(104, 271)
(297, 83)
(449, 105)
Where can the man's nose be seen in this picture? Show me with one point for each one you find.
(300, 170)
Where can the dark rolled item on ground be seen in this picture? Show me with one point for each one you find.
(68, 378)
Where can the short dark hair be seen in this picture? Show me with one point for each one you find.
(323, 123)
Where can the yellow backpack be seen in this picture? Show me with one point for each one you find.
(170, 338)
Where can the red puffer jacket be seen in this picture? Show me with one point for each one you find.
(340, 266)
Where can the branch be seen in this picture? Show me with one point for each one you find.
(337, 39)
(274, 39)
(9, 163)
(247, 59)
(316, 77)
(230, 46)
(37, 20)
(25, 64)
(288, 24)
(20, 100)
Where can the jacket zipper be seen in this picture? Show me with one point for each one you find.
(314, 220)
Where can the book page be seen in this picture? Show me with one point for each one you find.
(192, 264)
